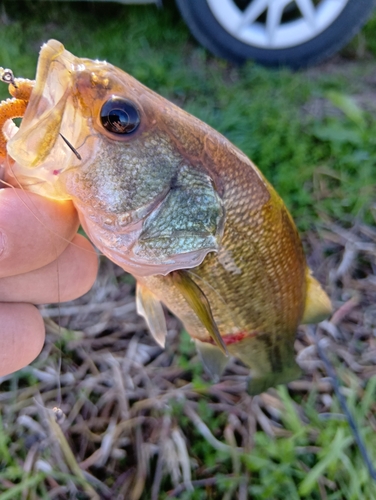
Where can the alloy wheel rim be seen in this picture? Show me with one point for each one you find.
(276, 24)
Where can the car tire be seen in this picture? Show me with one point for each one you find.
(211, 29)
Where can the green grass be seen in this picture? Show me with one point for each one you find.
(312, 139)
(316, 163)
(316, 454)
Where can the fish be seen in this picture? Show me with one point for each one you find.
(171, 201)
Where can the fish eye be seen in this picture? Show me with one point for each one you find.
(119, 116)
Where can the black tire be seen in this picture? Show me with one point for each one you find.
(212, 35)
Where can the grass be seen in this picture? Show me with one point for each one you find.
(142, 423)
(270, 115)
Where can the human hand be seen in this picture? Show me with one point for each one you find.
(38, 264)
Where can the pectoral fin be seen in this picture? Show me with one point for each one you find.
(150, 308)
(212, 358)
(197, 300)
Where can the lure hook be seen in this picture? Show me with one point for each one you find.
(7, 76)
(71, 147)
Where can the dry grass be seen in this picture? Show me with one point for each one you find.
(136, 422)
(130, 415)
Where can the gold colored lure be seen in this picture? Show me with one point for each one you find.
(172, 202)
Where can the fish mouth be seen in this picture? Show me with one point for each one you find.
(41, 123)
(37, 146)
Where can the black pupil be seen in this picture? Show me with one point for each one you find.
(120, 116)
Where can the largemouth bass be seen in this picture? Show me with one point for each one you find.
(172, 202)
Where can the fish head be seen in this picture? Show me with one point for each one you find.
(92, 104)
(123, 154)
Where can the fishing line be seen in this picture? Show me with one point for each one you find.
(59, 415)
(57, 409)
(8, 77)
(336, 384)
(58, 412)
(40, 221)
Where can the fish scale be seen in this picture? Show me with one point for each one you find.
(174, 203)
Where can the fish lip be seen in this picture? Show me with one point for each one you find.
(42, 121)
(51, 52)
(40, 154)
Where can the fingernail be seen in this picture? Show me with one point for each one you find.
(2, 243)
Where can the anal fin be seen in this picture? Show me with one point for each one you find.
(212, 358)
(150, 308)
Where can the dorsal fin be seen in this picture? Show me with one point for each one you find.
(318, 306)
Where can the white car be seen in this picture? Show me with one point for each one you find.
(294, 33)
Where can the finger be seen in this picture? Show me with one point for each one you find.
(21, 336)
(72, 275)
(33, 230)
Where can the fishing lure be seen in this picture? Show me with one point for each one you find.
(172, 202)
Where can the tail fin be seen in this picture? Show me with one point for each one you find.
(258, 384)
(271, 358)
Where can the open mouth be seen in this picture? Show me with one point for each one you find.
(33, 142)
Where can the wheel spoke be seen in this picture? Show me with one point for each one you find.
(252, 12)
(273, 18)
(263, 23)
(308, 11)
